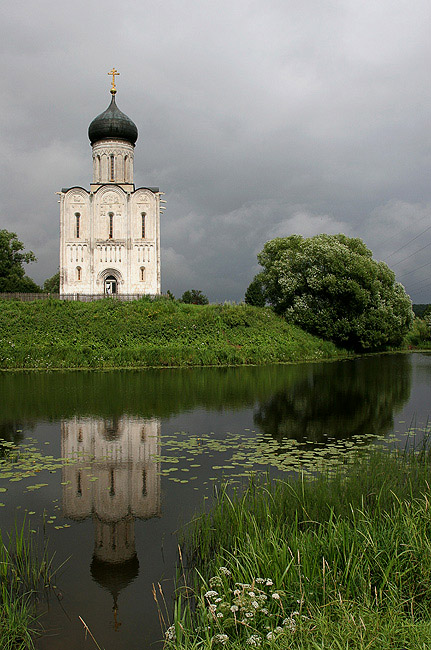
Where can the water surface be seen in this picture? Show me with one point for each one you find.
(146, 449)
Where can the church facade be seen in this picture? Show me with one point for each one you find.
(110, 235)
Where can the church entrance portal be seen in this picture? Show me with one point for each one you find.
(110, 285)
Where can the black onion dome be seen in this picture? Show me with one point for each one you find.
(112, 123)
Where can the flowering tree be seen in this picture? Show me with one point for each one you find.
(329, 285)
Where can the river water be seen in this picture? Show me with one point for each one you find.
(112, 465)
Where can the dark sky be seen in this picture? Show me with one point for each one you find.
(257, 118)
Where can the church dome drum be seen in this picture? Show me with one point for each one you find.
(112, 124)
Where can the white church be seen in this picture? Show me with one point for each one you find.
(110, 235)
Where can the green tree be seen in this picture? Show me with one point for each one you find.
(12, 258)
(52, 285)
(329, 285)
(255, 295)
(194, 297)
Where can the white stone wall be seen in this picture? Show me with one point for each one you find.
(86, 261)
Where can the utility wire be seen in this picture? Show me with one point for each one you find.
(414, 253)
(409, 242)
(384, 241)
(413, 270)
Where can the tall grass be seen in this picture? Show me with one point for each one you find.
(57, 334)
(24, 574)
(339, 561)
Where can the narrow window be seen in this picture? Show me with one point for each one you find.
(142, 273)
(112, 487)
(77, 224)
(112, 166)
(78, 273)
(111, 225)
(143, 215)
(144, 483)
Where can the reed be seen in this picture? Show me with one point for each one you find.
(335, 561)
(25, 573)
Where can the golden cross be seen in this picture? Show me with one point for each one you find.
(114, 74)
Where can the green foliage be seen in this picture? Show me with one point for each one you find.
(420, 309)
(170, 295)
(52, 285)
(330, 286)
(143, 333)
(334, 561)
(420, 332)
(194, 297)
(12, 274)
(255, 295)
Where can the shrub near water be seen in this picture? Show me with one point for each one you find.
(341, 562)
(142, 333)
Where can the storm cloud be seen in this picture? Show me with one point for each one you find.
(256, 118)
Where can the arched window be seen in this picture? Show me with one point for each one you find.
(78, 273)
(126, 168)
(77, 224)
(112, 167)
(143, 215)
(111, 225)
(142, 276)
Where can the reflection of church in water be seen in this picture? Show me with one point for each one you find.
(114, 481)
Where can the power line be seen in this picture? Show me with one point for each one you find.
(409, 242)
(414, 253)
(413, 270)
(384, 241)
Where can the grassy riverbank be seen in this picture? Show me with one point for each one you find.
(57, 334)
(331, 563)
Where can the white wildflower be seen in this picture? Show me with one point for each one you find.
(276, 596)
(210, 594)
(255, 640)
(278, 629)
(218, 600)
(234, 608)
(290, 623)
(170, 633)
(251, 594)
(249, 614)
(215, 582)
(255, 604)
(219, 615)
(221, 638)
(269, 582)
(212, 608)
(260, 581)
(270, 635)
(225, 571)
(264, 611)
